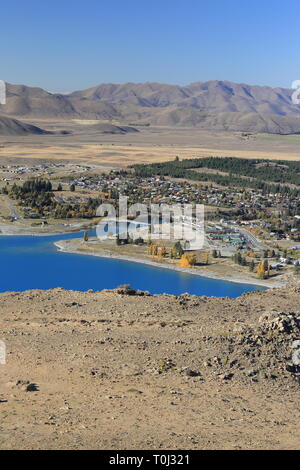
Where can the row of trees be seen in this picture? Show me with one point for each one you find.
(186, 260)
(160, 251)
(263, 268)
(129, 241)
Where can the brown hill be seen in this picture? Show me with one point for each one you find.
(244, 122)
(26, 101)
(10, 126)
(218, 96)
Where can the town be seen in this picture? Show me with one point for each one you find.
(247, 228)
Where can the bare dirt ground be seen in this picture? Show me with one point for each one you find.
(149, 145)
(121, 370)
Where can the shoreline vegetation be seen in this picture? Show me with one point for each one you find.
(75, 246)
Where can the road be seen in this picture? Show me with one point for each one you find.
(251, 239)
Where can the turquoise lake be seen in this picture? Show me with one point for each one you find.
(35, 263)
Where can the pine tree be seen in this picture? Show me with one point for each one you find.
(163, 252)
(178, 249)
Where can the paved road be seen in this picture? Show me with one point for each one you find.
(251, 239)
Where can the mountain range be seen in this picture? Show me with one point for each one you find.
(213, 105)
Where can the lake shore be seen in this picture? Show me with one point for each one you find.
(71, 246)
(18, 229)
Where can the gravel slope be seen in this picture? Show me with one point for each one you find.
(125, 370)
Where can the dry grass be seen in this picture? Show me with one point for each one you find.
(4, 209)
(149, 145)
(122, 155)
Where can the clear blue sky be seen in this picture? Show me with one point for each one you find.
(68, 44)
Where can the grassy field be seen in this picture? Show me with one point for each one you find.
(149, 145)
(279, 138)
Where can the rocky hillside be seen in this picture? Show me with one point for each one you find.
(125, 370)
(218, 96)
(239, 122)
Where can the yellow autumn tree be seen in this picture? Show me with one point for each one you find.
(187, 261)
(159, 254)
(261, 271)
